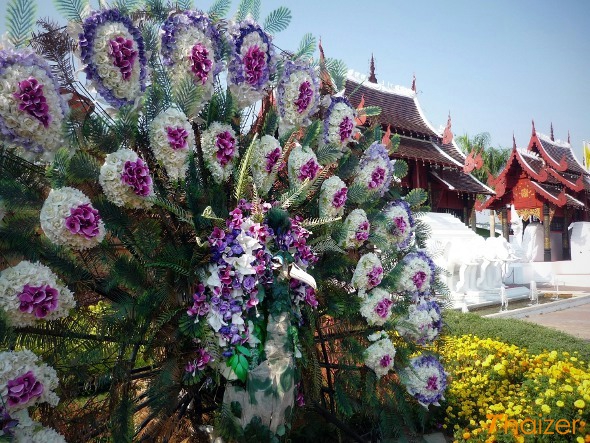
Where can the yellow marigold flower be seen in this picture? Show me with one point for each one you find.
(579, 404)
(466, 435)
(546, 409)
(580, 440)
(539, 401)
(567, 388)
(560, 403)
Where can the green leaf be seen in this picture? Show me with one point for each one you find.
(370, 111)
(243, 170)
(244, 350)
(327, 154)
(281, 430)
(189, 327)
(187, 96)
(307, 46)
(337, 70)
(20, 18)
(255, 9)
(312, 133)
(236, 409)
(278, 20)
(74, 10)
(244, 7)
(185, 4)
(239, 364)
(416, 197)
(219, 9)
(400, 168)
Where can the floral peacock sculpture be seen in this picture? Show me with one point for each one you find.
(200, 237)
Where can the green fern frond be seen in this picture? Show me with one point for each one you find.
(327, 154)
(337, 70)
(181, 213)
(74, 10)
(187, 96)
(219, 9)
(311, 133)
(319, 221)
(400, 168)
(306, 46)
(416, 197)
(244, 8)
(370, 111)
(278, 20)
(126, 6)
(185, 4)
(20, 18)
(255, 9)
(243, 170)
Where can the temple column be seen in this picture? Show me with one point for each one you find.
(505, 226)
(492, 223)
(465, 211)
(565, 239)
(547, 233)
(473, 218)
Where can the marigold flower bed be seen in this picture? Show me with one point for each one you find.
(500, 393)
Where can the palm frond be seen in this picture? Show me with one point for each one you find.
(20, 18)
(278, 20)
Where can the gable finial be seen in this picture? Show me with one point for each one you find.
(372, 77)
(414, 82)
(513, 141)
(534, 130)
(552, 138)
(568, 137)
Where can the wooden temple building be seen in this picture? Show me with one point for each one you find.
(435, 163)
(545, 182)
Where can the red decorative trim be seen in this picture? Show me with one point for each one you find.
(576, 186)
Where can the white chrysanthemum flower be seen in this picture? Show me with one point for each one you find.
(417, 274)
(30, 292)
(303, 164)
(399, 224)
(171, 139)
(220, 151)
(379, 356)
(425, 380)
(367, 274)
(297, 95)
(376, 307)
(333, 194)
(422, 324)
(266, 155)
(126, 180)
(31, 431)
(24, 381)
(356, 227)
(340, 123)
(68, 218)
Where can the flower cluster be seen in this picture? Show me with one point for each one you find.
(298, 95)
(220, 151)
(31, 108)
(125, 179)
(367, 274)
(400, 224)
(171, 139)
(68, 218)
(252, 63)
(339, 123)
(28, 430)
(333, 195)
(303, 164)
(493, 378)
(376, 307)
(30, 292)
(375, 171)
(191, 45)
(265, 165)
(356, 228)
(423, 322)
(380, 355)
(417, 275)
(24, 381)
(113, 51)
(425, 380)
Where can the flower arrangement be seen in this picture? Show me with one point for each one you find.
(30, 292)
(302, 165)
(220, 151)
(381, 354)
(191, 46)
(400, 224)
(333, 195)
(375, 171)
(339, 123)
(298, 95)
(25, 382)
(112, 49)
(31, 109)
(171, 140)
(368, 273)
(417, 274)
(125, 179)
(68, 218)
(423, 323)
(376, 307)
(356, 228)
(426, 380)
(252, 62)
(266, 162)
(27, 430)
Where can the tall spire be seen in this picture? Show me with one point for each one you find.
(534, 130)
(552, 138)
(414, 82)
(513, 141)
(372, 77)
(568, 137)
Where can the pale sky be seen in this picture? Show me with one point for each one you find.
(495, 65)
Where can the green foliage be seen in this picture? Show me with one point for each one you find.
(243, 170)
(278, 20)
(74, 10)
(370, 111)
(337, 70)
(187, 96)
(185, 4)
(244, 7)
(327, 154)
(400, 168)
(416, 198)
(126, 6)
(311, 133)
(306, 46)
(20, 18)
(219, 9)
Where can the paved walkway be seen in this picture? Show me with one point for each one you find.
(574, 320)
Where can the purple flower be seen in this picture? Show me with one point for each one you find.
(385, 360)
(32, 100)
(309, 170)
(345, 129)
(299, 398)
(429, 390)
(310, 297)
(7, 423)
(23, 388)
(83, 220)
(305, 96)
(340, 197)
(362, 233)
(376, 159)
(200, 306)
(235, 222)
(201, 64)
(272, 158)
(419, 278)
(375, 276)
(226, 147)
(432, 383)
(177, 137)
(203, 359)
(38, 300)
(382, 308)
(377, 178)
(400, 224)
(123, 55)
(254, 62)
(137, 175)
(249, 283)
(345, 126)
(216, 237)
